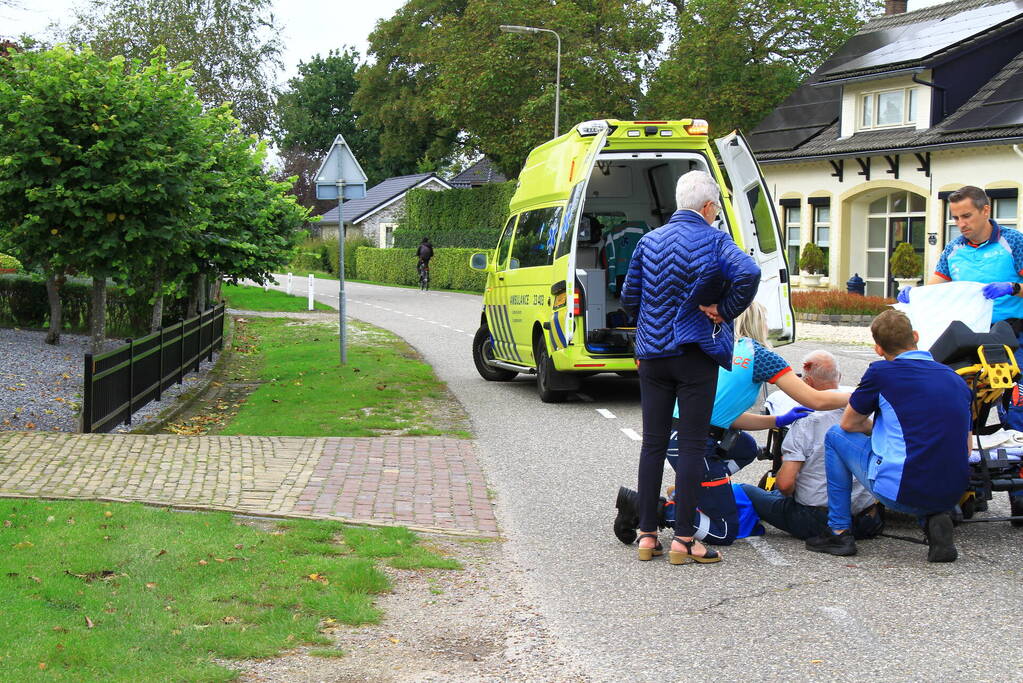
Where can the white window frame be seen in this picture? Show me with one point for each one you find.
(791, 225)
(910, 108)
(386, 235)
(817, 225)
(1006, 222)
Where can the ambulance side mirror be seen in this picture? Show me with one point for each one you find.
(478, 261)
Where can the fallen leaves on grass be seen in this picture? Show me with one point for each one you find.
(319, 578)
(88, 622)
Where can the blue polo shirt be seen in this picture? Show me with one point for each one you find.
(999, 259)
(921, 414)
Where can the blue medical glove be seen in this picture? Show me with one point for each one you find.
(997, 289)
(797, 413)
(903, 297)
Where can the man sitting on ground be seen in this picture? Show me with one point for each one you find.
(914, 455)
(798, 505)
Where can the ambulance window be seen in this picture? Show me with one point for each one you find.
(535, 237)
(504, 245)
(762, 221)
(567, 221)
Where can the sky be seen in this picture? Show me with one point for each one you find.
(310, 26)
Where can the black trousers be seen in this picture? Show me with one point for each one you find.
(690, 378)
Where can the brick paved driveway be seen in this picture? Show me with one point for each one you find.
(432, 483)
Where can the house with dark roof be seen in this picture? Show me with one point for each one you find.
(480, 173)
(376, 215)
(863, 155)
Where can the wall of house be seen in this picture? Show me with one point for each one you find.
(991, 167)
(851, 100)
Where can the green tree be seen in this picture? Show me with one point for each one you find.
(394, 94)
(99, 160)
(733, 62)
(445, 75)
(233, 46)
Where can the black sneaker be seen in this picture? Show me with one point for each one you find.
(628, 517)
(939, 538)
(831, 543)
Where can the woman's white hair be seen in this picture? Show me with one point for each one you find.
(694, 189)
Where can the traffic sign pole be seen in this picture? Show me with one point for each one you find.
(341, 270)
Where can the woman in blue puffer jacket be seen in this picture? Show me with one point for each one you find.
(687, 281)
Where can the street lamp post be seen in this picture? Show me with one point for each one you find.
(557, 77)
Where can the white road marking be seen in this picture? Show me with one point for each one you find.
(606, 413)
(846, 622)
(772, 556)
(584, 397)
(461, 331)
(631, 433)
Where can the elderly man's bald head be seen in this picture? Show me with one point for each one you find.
(820, 370)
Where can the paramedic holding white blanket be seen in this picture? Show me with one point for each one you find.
(984, 252)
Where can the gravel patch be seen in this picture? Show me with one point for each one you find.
(837, 334)
(41, 385)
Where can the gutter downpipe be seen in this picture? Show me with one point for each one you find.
(1017, 150)
(916, 79)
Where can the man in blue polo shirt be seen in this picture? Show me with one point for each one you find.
(984, 252)
(914, 455)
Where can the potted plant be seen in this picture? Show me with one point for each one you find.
(906, 265)
(811, 263)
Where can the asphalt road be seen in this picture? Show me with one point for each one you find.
(770, 610)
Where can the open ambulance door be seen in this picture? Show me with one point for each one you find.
(761, 236)
(579, 177)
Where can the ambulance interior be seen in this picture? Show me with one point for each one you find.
(628, 194)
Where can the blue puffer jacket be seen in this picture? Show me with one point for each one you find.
(675, 269)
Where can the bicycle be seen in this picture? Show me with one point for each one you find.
(424, 275)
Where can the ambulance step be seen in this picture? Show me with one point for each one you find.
(511, 366)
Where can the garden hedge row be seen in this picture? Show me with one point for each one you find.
(23, 303)
(9, 264)
(449, 217)
(449, 268)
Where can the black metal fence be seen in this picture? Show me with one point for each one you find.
(119, 382)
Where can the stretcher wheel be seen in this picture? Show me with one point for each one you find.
(1016, 508)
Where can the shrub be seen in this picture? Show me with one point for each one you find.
(23, 303)
(9, 264)
(834, 302)
(449, 268)
(305, 261)
(812, 259)
(460, 217)
(906, 263)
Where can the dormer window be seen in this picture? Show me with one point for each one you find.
(887, 108)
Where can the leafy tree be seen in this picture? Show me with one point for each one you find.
(733, 62)
(443, 67)
(233, 46)
(394, 95)
(98, 162)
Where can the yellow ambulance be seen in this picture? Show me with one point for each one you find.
(550, 306)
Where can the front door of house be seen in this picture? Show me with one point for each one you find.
(892, 219)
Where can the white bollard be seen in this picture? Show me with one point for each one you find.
(312, 284)
(289, 283)
(266, 286)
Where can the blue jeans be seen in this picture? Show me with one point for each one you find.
(803, 521)
(848, 455)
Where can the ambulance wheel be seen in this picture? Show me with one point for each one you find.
(544, 374)
(1016, 510)
(482, 352)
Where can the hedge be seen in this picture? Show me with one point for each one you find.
(836, 302)
(23, 303)
(450, 217)
(449, 268)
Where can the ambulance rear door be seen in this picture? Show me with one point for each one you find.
(761, 236)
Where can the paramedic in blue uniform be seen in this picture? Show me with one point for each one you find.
(984, 252)
(913, 456)
(687, 281)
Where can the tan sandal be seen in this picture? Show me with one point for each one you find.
(709, 557)
(646, 554)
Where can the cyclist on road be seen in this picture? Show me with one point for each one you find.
(425, 253)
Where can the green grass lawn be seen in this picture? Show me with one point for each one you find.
(304, 390)
(124, 592)
(256, 299)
